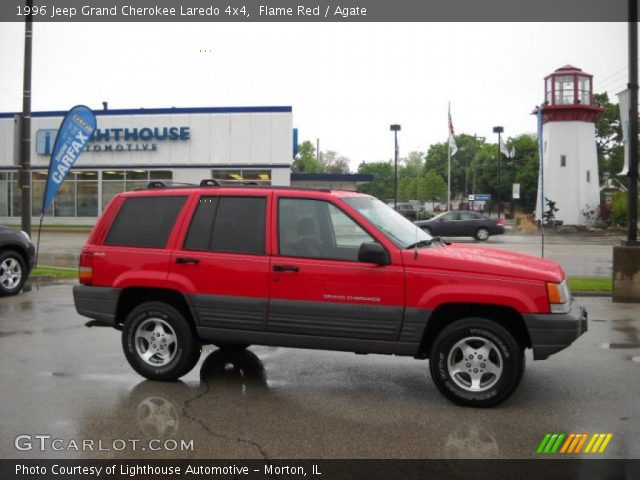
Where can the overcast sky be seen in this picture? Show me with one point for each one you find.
(346, 82)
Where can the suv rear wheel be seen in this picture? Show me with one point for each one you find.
(476, 362)
(13, 273)
(158, 342)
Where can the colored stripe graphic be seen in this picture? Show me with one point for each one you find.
(573, 443)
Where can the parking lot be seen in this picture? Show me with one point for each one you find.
(72, 383)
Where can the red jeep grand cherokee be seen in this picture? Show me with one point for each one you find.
(175, 268)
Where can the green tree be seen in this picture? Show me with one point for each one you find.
(461, 163)
(305, 161)
(523, 169)
(331, 162)
(382, 185)
(608, 137)
(432, 188)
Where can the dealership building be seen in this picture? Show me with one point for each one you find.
(132, 147)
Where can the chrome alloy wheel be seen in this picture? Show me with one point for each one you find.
(155, 342)
(475, 364)
(10, 273)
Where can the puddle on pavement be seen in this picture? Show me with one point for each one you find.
(19, 332)
(617, 346)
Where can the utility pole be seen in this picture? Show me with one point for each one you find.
(25, 131)
(632, 237)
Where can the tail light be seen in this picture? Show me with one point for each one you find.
(500, 221)
(85, 268)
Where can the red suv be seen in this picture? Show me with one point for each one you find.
(175, 268)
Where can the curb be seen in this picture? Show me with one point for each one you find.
(591, 294)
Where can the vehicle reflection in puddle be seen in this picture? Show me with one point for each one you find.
(158, 417)
(235, 373)
(472, 440)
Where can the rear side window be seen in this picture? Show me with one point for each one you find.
(145, 221)
(229, 225)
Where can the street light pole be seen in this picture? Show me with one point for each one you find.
(395, 128)
(499, 130)
(475, 160)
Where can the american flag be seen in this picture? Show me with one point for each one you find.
(453, 148)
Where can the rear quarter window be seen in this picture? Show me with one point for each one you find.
(145, 221)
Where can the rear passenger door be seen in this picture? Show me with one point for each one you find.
(222, 260)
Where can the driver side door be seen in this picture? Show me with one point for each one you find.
(319, 288)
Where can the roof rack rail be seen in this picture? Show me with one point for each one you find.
(210, 182)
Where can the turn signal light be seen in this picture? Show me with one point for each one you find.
(559, 297)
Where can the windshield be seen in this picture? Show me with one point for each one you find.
(393, 225)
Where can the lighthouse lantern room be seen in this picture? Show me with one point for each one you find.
(569, 145)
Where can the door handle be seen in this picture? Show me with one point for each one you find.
(187, 260)
(285, 268)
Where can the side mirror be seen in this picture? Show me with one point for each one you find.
(373, 252)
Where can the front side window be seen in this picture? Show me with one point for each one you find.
(145, 221)
(400, 231)
(228, 225)
(317, 229)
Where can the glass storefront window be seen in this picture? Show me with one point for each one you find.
(87, 194)
(160, 175)
(260, 177)
(78, 195)
(5, 198)
(16, 199)
(65, 201)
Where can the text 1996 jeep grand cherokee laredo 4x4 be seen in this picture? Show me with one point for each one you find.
(176, 268)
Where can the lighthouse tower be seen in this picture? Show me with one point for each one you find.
(569, 145)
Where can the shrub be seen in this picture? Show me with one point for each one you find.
(620, 208)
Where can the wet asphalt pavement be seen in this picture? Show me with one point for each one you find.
(62, 379)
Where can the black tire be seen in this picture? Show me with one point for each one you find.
(482, 234)
(476, 335)
(10, 284)
(232, 347)
(180, 356)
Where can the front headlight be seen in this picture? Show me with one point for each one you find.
(559, 297)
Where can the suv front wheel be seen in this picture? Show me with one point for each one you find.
(476, 362)
(158, 342)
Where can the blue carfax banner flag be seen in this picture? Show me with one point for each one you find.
(75, 130)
